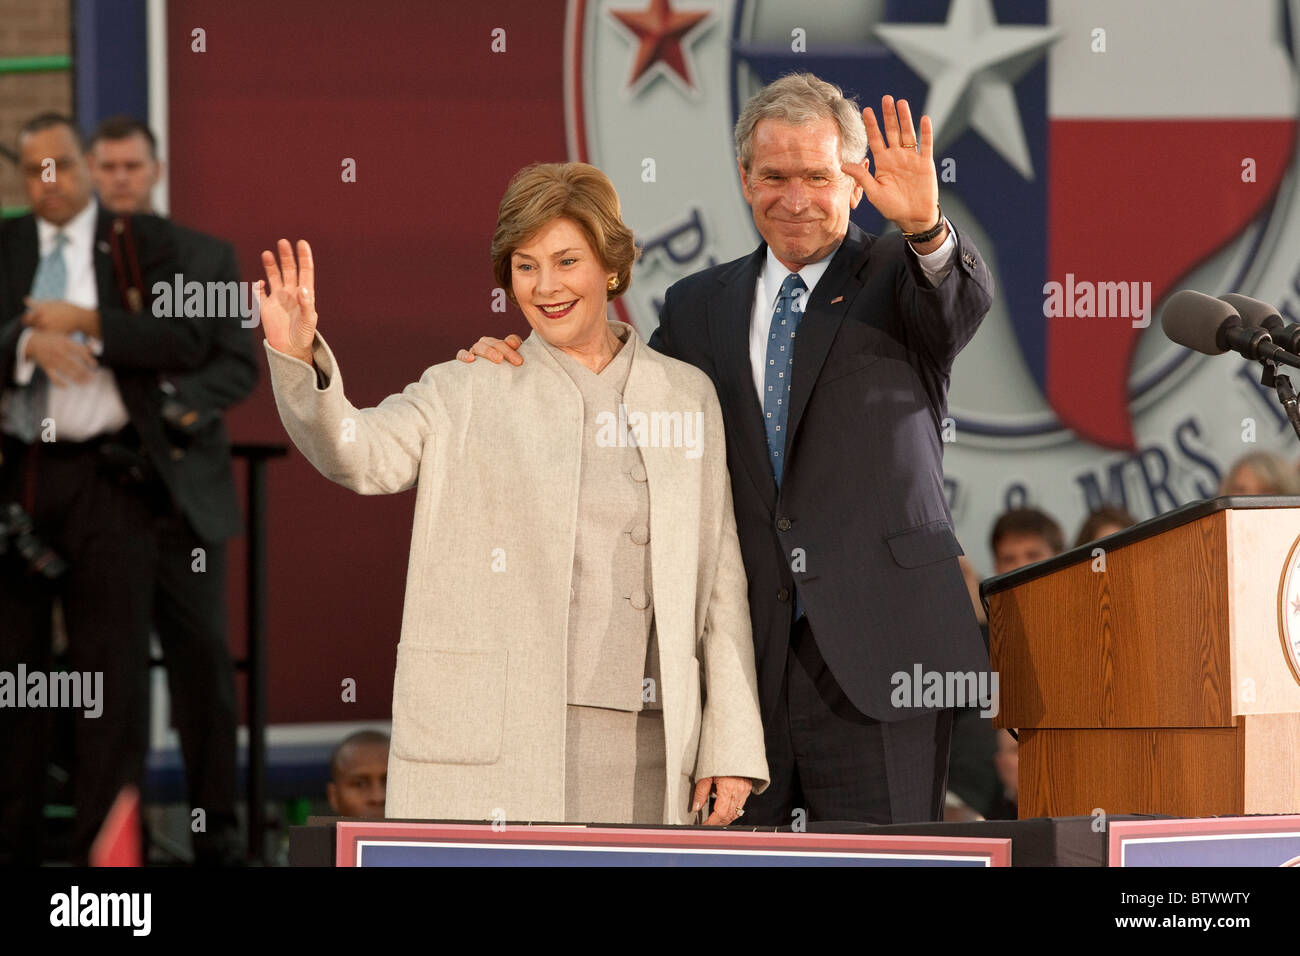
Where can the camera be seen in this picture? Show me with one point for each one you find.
(181, 420)
(16, 533)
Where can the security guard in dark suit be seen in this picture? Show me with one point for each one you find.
(86, 460)
(189, 608)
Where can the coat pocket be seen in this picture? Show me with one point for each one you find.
(449, 705)
(923, 545)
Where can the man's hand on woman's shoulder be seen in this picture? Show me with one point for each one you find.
(494, 350)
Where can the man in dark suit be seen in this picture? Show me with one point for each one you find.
(835, 452)
(85, 455)
(190, 606)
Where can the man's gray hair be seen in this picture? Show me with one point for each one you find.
(800, 99)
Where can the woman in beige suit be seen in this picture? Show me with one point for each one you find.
(575, 640)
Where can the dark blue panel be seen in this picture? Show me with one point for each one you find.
(110, 61)
(1255, 849)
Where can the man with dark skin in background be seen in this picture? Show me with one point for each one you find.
(359, 775)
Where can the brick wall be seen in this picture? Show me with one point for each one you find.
(30, 28)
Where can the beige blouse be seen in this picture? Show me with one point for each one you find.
(613, 656)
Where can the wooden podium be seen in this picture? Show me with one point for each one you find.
(1157, 670)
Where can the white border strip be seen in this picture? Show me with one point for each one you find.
(159, 105)
(664, 850)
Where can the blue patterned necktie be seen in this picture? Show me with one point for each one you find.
(776, 374)
(776, 378)
(26, 407)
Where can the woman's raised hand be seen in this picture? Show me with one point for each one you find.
(288, 300)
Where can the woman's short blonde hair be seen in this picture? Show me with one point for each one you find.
(544, 192)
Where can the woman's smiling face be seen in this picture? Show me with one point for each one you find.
(561, 285)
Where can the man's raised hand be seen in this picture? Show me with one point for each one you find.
(905, 187)
(288, 300)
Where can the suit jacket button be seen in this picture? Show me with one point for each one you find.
(783, 595)
(640, 599)
(638, 472)
(640, 535)
(782, 524)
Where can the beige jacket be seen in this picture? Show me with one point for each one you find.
(493, 451)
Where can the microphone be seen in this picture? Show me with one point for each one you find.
(1257, 314)
(1205, 324)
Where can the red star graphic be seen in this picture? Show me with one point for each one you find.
(660, 32)
(1295, 604)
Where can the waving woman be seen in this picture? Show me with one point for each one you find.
(575, 640)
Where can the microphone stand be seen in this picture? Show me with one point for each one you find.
(1271, 378)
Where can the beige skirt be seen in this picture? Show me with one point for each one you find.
(613, 766)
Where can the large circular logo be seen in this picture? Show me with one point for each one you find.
(1094, 179)
(1288, 609)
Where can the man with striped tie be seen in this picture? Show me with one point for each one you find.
(84, 455)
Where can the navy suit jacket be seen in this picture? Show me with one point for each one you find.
(860, 524)
(206, 489)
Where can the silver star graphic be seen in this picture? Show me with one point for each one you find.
(972, 65)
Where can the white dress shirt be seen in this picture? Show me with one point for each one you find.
(80, 410)
(935, 265)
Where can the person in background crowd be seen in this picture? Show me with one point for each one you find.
(190, 606)
(972, 579)
(1007, 762)
(359, 775)
(1261, 473)
(84, 470)
(1022, 536)
(1103, 521)
(972, 778)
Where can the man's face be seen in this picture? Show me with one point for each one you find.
(799, 196)
(124, 173)
(59, 191)
(1016, 550)
(358, 789)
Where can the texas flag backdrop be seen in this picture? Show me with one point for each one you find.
(1101, 155)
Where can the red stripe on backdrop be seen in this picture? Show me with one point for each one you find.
(1147, 201)
(261, 123)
